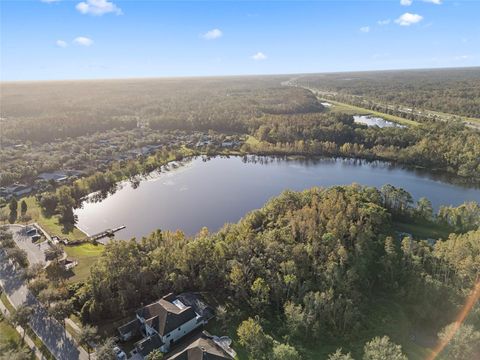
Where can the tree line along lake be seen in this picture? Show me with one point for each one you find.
(201, 192)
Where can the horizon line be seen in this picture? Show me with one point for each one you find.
(184, 77)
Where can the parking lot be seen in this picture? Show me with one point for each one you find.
(35, 251)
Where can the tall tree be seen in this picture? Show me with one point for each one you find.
(105, 350)
(23, 208)
(60, 310)
(381, 348)
(339, 355)
(21, 317)
(13, 206)
(252, 337)
(285, 352)
(463, 341)
(87, 337)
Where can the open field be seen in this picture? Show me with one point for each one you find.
(50, 224)
(86, 254)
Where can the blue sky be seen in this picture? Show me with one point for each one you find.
(82, 39)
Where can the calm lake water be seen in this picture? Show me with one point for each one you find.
(375, 121)
(211, 193)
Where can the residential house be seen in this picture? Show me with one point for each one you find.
(164, 322)
(203, 346)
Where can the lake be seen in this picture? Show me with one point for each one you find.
(375, 121)
(209, 193)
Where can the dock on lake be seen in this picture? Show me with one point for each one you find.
(106, 233)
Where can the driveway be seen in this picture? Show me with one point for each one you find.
(53, 335)
(35, 252)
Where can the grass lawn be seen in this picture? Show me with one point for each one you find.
(10, 339)
(50, 224)
(86, 254)
(8, 335)
(40, 345)
(423, 230)
(6, 302)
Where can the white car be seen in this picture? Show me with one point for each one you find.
(119, 353)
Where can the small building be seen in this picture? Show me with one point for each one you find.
(68, 263)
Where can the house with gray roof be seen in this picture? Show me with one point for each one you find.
(203, 346)
(164, 322)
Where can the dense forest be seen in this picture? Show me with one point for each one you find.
(452, 91)
(310, 262)
(43, 112)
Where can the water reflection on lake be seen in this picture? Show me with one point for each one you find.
(374, 121)
(209, 193)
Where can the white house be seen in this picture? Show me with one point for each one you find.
(163, 323)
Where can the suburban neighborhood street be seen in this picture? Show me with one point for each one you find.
(53, 335)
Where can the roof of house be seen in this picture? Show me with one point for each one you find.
(166, 314)
(130, 327)
(148, 344)
(202, 346)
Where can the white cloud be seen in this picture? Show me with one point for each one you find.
(61, 43)
(384, 22)
(83, 41)
(98, 7)
(462, 57)
(365, 29)
(436, 2)
(408, 19)
(406, 2)
(212, 34)
(259, 56)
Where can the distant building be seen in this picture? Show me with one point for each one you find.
(16, 190)
(57, 176)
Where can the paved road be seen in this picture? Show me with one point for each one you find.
(35, 252)
(49, 330)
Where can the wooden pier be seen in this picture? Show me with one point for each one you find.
(106, 233)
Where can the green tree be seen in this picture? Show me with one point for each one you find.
(37, 285)
(295, 318)
(21, 317)
(23, 208)
(425, 208)
(60, 310)
(381, 348)
(87, 337)
(339, 355)
(18, 255)
(105, 350)
(155, 355)
(32, 271)
(463, 341)
(13, 207)
(260, 293)
(253, 339)
(285, 352)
